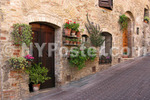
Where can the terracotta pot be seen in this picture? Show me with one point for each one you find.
(125, 56)
(36, 87)
(67, 31)
(17, 45)
(74, 43)
(67, 42)
(78, 34)
(145, 21)
(78, 43)
(70, 42)
(73, 31)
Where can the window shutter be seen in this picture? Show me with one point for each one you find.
(106, 3)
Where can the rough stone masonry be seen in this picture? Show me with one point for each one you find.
(14, 84)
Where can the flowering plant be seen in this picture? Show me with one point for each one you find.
(68, 25)
(29, 57)
(108, 57)
(18, 62)
(75, 26)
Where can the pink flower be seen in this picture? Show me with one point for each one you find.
(29, 57)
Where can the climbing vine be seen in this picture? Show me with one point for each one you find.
(123, 21)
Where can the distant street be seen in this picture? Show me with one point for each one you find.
(125, 81)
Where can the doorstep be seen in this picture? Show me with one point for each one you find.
(42, 92)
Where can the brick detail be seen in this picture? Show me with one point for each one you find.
(16, 54)
(8, 94)
(3, 38)
(16, 51)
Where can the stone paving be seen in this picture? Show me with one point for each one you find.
(126, 81)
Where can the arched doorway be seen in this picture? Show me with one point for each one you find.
(105, 52)
(44, 34)
(130, 31)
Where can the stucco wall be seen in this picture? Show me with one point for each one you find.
(57, 12)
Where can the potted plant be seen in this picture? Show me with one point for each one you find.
(74, 41)
(22, 33)
(67, 41)
(125, 55)
(146, 19)
(71, 41)
(18, 62)
(74, 28)
(78, 32)
(67, 28)
(78, 42)
(37, 75)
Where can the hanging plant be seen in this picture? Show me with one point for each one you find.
(22, 33)
(123, 21)
(18, 62)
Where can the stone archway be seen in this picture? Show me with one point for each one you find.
(130, 31)
(55, 22)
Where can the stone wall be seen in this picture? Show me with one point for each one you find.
(56, 12)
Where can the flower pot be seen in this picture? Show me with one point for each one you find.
(36, 87)
(73, 34)
(125, 56)
(70, 42)
(78, 34)
(67, 42)
(78, 43)
(67, 31)
(74, 43)
(73, 31)
(145, 21)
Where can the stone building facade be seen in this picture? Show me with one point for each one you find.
(14, 84)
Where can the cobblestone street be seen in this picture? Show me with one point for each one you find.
(126, 81)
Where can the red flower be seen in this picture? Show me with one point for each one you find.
(74, 22)
(67, 22)
(67, 27)
(70, 21)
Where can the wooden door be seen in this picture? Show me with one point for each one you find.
(44, 34)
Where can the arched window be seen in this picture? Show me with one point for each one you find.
(105, 51)
(85, 38)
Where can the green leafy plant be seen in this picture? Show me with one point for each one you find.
(146, 18)
(74, 40)
(123, 21)
(75, 26)
(37, 73)
(18, 62)
(79, 60)
(68, 25)
(95, 33)
(22, 33)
